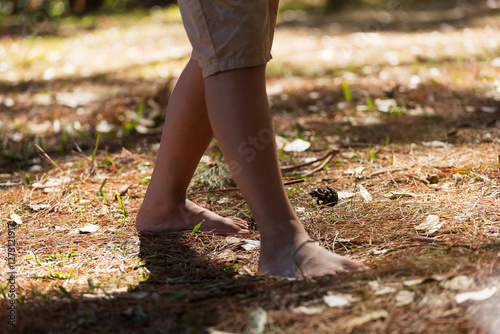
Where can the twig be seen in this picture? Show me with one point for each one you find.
(424, 181)
(234, 189)
(290, 168)
(320, 167)
(388, 170)
(46, 157)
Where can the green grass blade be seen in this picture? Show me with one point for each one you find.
(347, 91)
(197, 227)
(65, 292)
(95, 148)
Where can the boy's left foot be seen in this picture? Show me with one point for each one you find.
(157, 219)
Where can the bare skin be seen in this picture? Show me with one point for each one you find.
(186, 135)
(237, 112)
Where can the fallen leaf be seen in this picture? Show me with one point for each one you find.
(434, 143)
(365, 194)
(257, 321)
(298, 145)
(335, 301)
(398, 194)
(76, 98)
(53, 182)
(300, 209)
(339, 299)
(39, 207)
(413, 282)
(345, 194)
(459, 283)
(16, 219)
(476, 295)
(489, 109)
(385, 105)
(281, 142)
(349, 155)
(385, 290)
(354, 171)
(375, 315)
(123, 189)
(246, 244)
(307, 310)
(89, 228)
(404, 297)
(9, 183)
(430, 225)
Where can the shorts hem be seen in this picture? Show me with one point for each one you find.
(233, 64)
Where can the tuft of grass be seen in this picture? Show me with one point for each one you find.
(65, 292)
(96, 147)
(370, 105)
(347, 91)
(123, 211)
(100, 193)
(212, 176)
(197, 227)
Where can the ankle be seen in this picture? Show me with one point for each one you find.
(282, 235)
(165, 203)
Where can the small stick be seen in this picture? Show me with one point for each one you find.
(233, 189)
(424, 181)
(320, 167)
(290, 168)
(389, 170)
(46, 157)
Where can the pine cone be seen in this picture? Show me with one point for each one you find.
(327, 195)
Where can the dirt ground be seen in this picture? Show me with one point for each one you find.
(405, 105)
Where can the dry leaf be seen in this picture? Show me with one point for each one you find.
(430, 225)
(339, 299)
(386, 105)
(39, 207)
(385, 290)
(434, 143)
(365, 194)
(257, 321)
(416, 281)
(375, 315)
(354, 171)
(281, 142)
(459, 283)
(298, 145)
(345, 194)
(246, 244)
(404, 297)
(16, 219)
(307, 310)
(476, 295)
(89, 228)
(398, 194)
(378, 252)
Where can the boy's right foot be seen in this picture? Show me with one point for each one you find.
(303, 259)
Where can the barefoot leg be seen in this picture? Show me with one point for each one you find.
(186, 135)
(239, 114)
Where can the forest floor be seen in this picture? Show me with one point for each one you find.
(405, 107)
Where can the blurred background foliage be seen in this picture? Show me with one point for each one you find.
(53, 9)
(24, 17)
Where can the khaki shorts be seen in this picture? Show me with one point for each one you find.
(229, 34)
